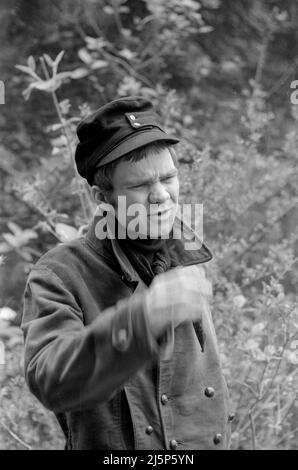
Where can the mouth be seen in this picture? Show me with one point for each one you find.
(161, 213)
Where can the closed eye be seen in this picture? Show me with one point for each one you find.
(142, 185)
(138, 186)
(166, 178)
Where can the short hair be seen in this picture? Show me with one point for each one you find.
(104, 174)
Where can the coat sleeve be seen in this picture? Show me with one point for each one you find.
(70, 366)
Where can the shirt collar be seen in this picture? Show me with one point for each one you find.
(189, 248)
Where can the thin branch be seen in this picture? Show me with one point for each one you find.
(246, 375)
(288, 435)
(113, 56)
(31, 206)
(64, 127)
(253, 430)
(261, 62)
(283, 79)
(289, 407)
(93, 23)
(255, 394)
(259, 236)
(258, 397)
(117, 17)
(276, 369)
(14, 436)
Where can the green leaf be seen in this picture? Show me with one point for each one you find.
(28, 71)
(85, 56)
(14, 228)
(24, 68)
(6, 313)
(124, 9)
(31, 63)
(59, 58)
(108, 10)
(66, 232)
(11, 240)
(268, 406)
(258, 328)
(48, 60)
(99, 64)
(205, 29)
(81, 72)
(127, 54)
(5, 247)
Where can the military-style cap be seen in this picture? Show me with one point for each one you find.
(114, 130)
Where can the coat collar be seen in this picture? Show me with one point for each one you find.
(184, 238)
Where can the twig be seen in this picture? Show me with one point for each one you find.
(246, 375)
(64, 127)
(93, 23)
(113, 56)
(258, 397)
(289, 434)
(289, 407)
(253, 430)
(255, 394)
(283, 79)
(31, 206)
(17, 438)
(281, 357)
(259, 237)
(117, 17)
(247, 423)
(261, 62)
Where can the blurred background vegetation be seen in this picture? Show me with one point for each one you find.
(220, 72)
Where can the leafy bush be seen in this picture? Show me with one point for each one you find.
(237, 156)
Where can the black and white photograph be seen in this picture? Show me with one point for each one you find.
(148, 228)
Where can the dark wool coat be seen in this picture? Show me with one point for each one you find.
(91, 359)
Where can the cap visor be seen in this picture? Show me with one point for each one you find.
(135, 141)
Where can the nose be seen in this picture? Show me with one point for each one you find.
(158, 193)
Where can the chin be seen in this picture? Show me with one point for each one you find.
(162, 230)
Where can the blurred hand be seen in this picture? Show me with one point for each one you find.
(176, 296)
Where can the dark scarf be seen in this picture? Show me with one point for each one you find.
(149, 256)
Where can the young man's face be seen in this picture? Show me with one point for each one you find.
(153, 183)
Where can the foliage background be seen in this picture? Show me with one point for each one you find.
(220, 72)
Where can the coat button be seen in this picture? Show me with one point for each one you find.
(149, 430)
(132, 117)
(164, 399)
(217, 439)
(209, 392)
(122, 343)
(173, 444)
(231, 417)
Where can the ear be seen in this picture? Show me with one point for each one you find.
(98, 195)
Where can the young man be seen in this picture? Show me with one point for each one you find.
(119, 341)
